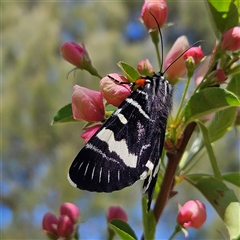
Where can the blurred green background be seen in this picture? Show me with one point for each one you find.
(35, 155)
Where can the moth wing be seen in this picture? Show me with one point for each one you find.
(115, 157)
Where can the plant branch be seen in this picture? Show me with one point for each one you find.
(168, 180)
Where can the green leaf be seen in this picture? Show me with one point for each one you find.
(221, 123)
(211, 155)
(232, 177)
(196, 176)
(64, 115)
(223, 15)
(231, 218)
(207, 101)
(234, 85)
(149, 222)
(110, 108)
(217, 193)
(130, 72)
(123, 229)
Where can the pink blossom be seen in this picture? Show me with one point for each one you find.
(65, 226)
(194, 55)
(90, 132)
(231, 39)
(49, 223)
(192, 214)
(87, 104)
(113, 92)
(71, 210)
(157, 8)
(145, 68)
(116, 212)
(75, 54)
(177, 69)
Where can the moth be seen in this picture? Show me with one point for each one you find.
(128, 146)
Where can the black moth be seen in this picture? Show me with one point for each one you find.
(128, 146)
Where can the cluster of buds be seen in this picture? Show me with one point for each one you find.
(65, 226)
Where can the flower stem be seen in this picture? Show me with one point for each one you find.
(176, 231)
(183, 99)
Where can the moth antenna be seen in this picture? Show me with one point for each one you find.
(161, 38)
(182, 54)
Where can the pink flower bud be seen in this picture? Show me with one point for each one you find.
(158, 8)
(116, 212)
(194, 55)
(49, 223)
(231, 39)
(220, 76)
(65, 226)
(177, 69)
(145, 68)
(90, 132)
(71, 210)
(113, 92)
(75, 54)
(87, 104)
(192, 214)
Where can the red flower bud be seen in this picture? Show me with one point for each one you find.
(116, 212)
(65, 226)
(75, 54)
(90, 132)
(87, 104)
(192, 214)
(220, 76)
(231, 39)
(113, 92)
(145, 68)
(194, 55)
(49, 223)
(177, 69)
(158, 8)
(71, 210)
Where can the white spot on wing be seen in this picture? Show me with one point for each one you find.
(86, 169)
(144, 175)
(109, 176)
(100, 175)
(71, 182)
(122, 119)
(93, 172)
(143, 93)
(135, 104)
(149, 165)
(79, 166)
(119, 147)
